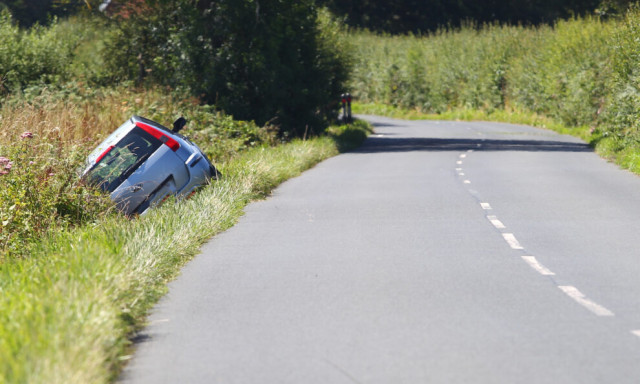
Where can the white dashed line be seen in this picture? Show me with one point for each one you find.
(580, 298)
(461, 174)
(512, 241)
(462, 156)
(636, 332)
(485, 206)
(458, 169)
(467, 182)
(533, 263)
(496, 223)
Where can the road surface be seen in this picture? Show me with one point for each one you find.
(438, 252)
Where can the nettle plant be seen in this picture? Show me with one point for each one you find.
(40, 192)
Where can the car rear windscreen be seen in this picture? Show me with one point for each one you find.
(120, 161)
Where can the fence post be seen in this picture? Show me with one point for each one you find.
(344, 108)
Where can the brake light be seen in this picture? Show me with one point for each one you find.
(166, 140)
(104, 154)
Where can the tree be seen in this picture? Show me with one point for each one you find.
(261, 60)
(402, 16)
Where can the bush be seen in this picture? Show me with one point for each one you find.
(41, 191)
(53, 55)
(621, 118)
(562, 72)
(271, 61)
(39, 188)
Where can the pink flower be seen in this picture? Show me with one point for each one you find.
(5, 165)
(27, 135)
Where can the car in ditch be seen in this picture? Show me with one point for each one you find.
(142, 163)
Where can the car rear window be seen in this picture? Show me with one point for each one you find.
(121, 160)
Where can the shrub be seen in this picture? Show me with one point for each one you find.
(621, 122)
(40, 191)
(562, 72)
(271, 61)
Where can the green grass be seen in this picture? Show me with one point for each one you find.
(67, 311)
(462, 114)
(577, 77)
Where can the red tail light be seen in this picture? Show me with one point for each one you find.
(104, 154)
(166, 140)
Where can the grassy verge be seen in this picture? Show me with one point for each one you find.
(67, 310)
(612, 148)
(578, 76)
(501, 115)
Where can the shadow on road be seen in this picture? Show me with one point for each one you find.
(391, 144)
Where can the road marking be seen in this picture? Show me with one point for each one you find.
(458, 169)
(458, 162)
(462, 156)
(469, 150)
(467, 182)
(461, 174)
(636, 332)
(512, 241)
(533, 263)
(485, 206)
(580, 298)
(496, 223)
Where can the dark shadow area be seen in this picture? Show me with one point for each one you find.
(139, 338)
(390, 144)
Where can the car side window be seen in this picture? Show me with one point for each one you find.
(123, 159)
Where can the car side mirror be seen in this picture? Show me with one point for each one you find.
(179, 124)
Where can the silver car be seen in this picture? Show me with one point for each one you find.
(142, 163)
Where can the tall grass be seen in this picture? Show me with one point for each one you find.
(560, 71)
(581, 75)
(69, 305)
(45, 137)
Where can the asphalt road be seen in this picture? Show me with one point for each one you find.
(439, 252)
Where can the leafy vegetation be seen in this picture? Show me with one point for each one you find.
(402, 16)
(580, 75)
(43, 145)
(268, 61)
(66, 311)
(76, 279)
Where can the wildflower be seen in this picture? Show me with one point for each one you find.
(5, 165)
(27, 135)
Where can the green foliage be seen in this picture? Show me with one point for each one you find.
(445, 70)
(564, 71)
(67, 310)
(579, 76)
(53, 55)
(268, 61)
(561, 72)
(621, 123)
(402, 16)
(40, 192)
